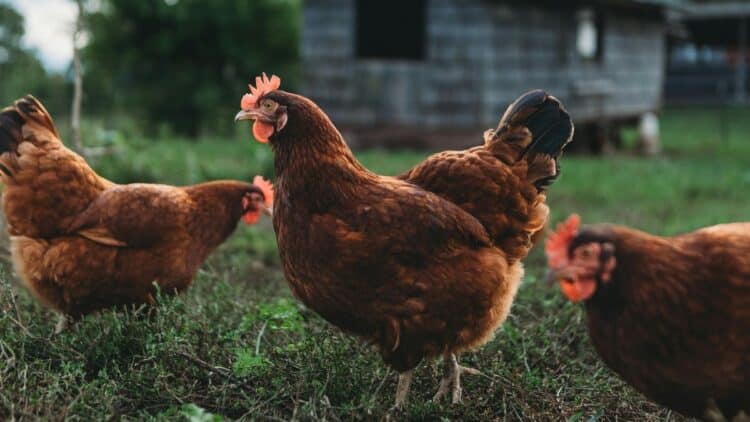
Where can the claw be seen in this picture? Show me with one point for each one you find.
(452, 380)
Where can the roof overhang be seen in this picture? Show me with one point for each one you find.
(717, 10)
(641, 8)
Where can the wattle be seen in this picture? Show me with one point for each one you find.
(262, 131)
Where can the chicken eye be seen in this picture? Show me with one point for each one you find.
(268, 105)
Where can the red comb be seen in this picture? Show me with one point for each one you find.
(266, 187)
(263, 85)
(557, 242)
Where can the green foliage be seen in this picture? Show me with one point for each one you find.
(195, 413)
(700, 180)
(21, 70)
(280, 315)
(180, 161)
(248, 363)
(182, 65)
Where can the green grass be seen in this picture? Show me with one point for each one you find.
(237, 345)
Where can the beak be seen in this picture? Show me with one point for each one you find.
(550, 278)
(559, 274)
(267, 211)
(247, 115)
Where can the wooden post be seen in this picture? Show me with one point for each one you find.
(75, 115)
(740, 72)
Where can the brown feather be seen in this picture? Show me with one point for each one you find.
(379, 257)
(673, 319)
(101, 235)
(82, 243)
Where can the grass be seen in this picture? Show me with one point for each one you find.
(237, 345)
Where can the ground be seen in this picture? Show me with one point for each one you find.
(237, 345)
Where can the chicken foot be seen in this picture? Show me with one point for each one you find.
(452, 379)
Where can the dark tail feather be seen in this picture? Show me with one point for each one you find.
(544, 115)
(12, 118)
(10, 129)
(551, 130)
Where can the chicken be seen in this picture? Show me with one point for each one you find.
(384, 259)
(81, 243)
(670, 315)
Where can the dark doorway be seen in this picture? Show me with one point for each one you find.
(391, 29)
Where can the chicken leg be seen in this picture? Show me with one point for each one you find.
(402, 390)
(452, 379)
(63, 324)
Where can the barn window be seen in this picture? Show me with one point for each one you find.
(590, 34)
(391, 29)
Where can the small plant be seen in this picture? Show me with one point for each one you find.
(247, 363)
(194, 413)
(281, 315)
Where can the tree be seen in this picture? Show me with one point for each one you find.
(186, 63)
(75, 114)
(21, 70)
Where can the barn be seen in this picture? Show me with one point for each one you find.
(436, 72)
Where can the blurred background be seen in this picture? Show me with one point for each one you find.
(430, 75)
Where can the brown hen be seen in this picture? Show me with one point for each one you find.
(670, 315)
(81, 243)
(402, 267)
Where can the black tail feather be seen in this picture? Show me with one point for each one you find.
(551, 130)
(544, 115)
(10, 129)
(13, 118)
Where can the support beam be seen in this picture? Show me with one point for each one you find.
(740, 72)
